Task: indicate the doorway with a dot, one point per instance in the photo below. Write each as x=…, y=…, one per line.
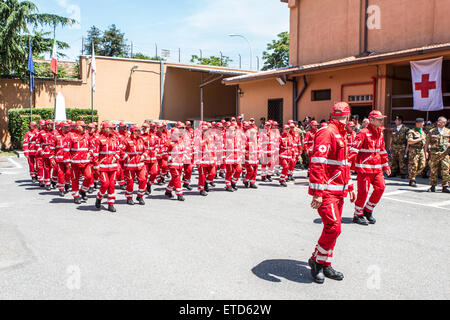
x=362, y=111
x=275, y=111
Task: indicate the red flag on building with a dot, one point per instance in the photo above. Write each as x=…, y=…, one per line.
x=54, y=63
x=427, y=84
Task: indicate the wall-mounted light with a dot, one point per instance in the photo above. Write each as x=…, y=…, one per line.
x=281, y=81
x=241, y=93
x=135, y=67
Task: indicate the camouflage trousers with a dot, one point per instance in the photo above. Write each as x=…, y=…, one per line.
x=439, y=160
x=416, y=162
x=398, y=160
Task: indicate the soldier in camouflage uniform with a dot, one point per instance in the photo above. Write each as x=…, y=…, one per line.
x=416, y=142
x=427, y=128
x=437, y=142
x=301, y=132
x=399, y=142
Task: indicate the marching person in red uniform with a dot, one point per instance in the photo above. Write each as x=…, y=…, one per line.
x=265, y=139
x=176, y=152
x=93, y=136
x=234, y=157
x=79, y=154
x=39, y=157
x=61, y=147
x=351, y=134
x=162, y=155
x=297, y=149
x=151, y=162
x=133, y=156
x=29, y=149
x=329, y=186
x=188, y=167
x=46, y=149
x=309, y=140
x=370, y=158
x=251, y=156
x=122, y=134
x=286, y=155
x=108, y=157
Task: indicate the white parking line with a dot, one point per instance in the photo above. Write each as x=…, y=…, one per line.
x=18, y=165
x=437, y=205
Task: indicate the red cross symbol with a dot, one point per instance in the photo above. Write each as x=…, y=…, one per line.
x=425, y=86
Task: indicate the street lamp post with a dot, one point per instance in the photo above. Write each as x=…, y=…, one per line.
x=251, y=52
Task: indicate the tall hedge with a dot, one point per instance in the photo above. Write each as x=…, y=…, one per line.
x=19, y=120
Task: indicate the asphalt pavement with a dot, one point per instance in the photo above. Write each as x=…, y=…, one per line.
x=251, y=244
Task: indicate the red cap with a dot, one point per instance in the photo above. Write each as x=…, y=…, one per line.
x=145, y=125
x=275, y=123
x=341, y=109
x=376, y=115
x=286, y=127
x=220, y=125
x=134, y=128
x=33, y=123
x=80, y=123
x=122, y=124
x=42, y=122
x=188, y=123
x=64, y=124
x=107, y=124
x=314, y=123
x=351, y=124
x=233, y=119
x=48, y=122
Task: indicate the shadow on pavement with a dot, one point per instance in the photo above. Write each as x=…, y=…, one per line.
x=272, y=270
x=344, y=221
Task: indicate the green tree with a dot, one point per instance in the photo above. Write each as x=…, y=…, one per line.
x=95, y=35
x=114, y=43
x=277, y=54
x=142, y=56
x=212, y=61
x=20, y=22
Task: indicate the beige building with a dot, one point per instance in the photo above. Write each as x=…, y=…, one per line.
x=357, y=51
x=131, y=90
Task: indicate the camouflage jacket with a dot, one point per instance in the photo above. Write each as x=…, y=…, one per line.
x=400, y=137
x=415, y=134
x=438, y=142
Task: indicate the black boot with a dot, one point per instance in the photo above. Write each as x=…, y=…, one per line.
x=412, y=183
x=91, y=190
x=247, y=185
x=130, y=202
x=283, y=184
x=233, y=185
x=48, y=188
x=445, y=190
x=329, y=272
x=229, y=189
x=123, y=187
x=98, y=203
x=187, y=187
x=316, y=271
x=433, y=189
x=41, y=184
x=369, y=217
x=111, y=208
x=96, y=187
x=206, y=187
x=212, y=184
x=264, y=179
x=53, y=185
x=269, y=178
x=253, y=186
x=34, y=180
x=149, y=189
x=169, y=195
x=67, y=188
x=203, y=193
x=221, y=175
x=360, y=220
x=181, y=198
x=77, y=201
x=83, y=195
x=140, y=201
x=61, y=194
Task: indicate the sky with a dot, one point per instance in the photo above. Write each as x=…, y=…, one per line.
x=188, y=25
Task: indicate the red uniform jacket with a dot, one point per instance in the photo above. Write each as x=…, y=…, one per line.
x=329, y=167
x=78, y=150
x=133, y=153
x=45, y=144
x=108, y=153
x=29, y=142
x=368, y=153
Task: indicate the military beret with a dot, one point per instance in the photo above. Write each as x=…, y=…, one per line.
x=420, y=120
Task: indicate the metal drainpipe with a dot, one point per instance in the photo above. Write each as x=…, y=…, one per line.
x=161, y=91
x=366, y=29
x=296, y=98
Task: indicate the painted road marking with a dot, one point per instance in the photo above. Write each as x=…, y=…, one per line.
x=432, y=205
x=15, y=163
x=394, y=193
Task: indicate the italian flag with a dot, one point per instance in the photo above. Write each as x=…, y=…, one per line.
x=54, y=63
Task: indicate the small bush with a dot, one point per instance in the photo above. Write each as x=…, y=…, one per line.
x=19, y=120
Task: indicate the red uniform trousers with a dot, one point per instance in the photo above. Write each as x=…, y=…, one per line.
x=206, y=174
x=163, y=168
x=286, y=165
x=331, y=214
x=40, y=169
x=252, y=172
x=365, y=180
x=64, y=175
x=77, y=172
x=187, y=173
x=47, y=169
x=233, y=174
x=108, y=186
x=152, y=171
x=55, y=170
x=32, y=166
x=121, y=174
x=175, y=181
x=141, y=175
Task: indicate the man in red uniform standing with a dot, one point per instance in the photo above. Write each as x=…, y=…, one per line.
x=309, y=140
x=329, y=186
x=370, y=158
x=29, y=149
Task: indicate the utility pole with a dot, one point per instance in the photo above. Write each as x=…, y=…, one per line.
x=240, y=62
x=156, y=53
x=82, y=45
x=201, y=54
x=179, y=55
x=221, y=58
x=131, y=49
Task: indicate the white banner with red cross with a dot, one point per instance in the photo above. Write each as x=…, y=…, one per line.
x=426, y=81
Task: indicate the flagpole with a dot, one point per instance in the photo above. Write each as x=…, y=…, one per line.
x=31, y=88
x=54, y=38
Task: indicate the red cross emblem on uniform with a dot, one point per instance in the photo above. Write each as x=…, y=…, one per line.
x=425, y=86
